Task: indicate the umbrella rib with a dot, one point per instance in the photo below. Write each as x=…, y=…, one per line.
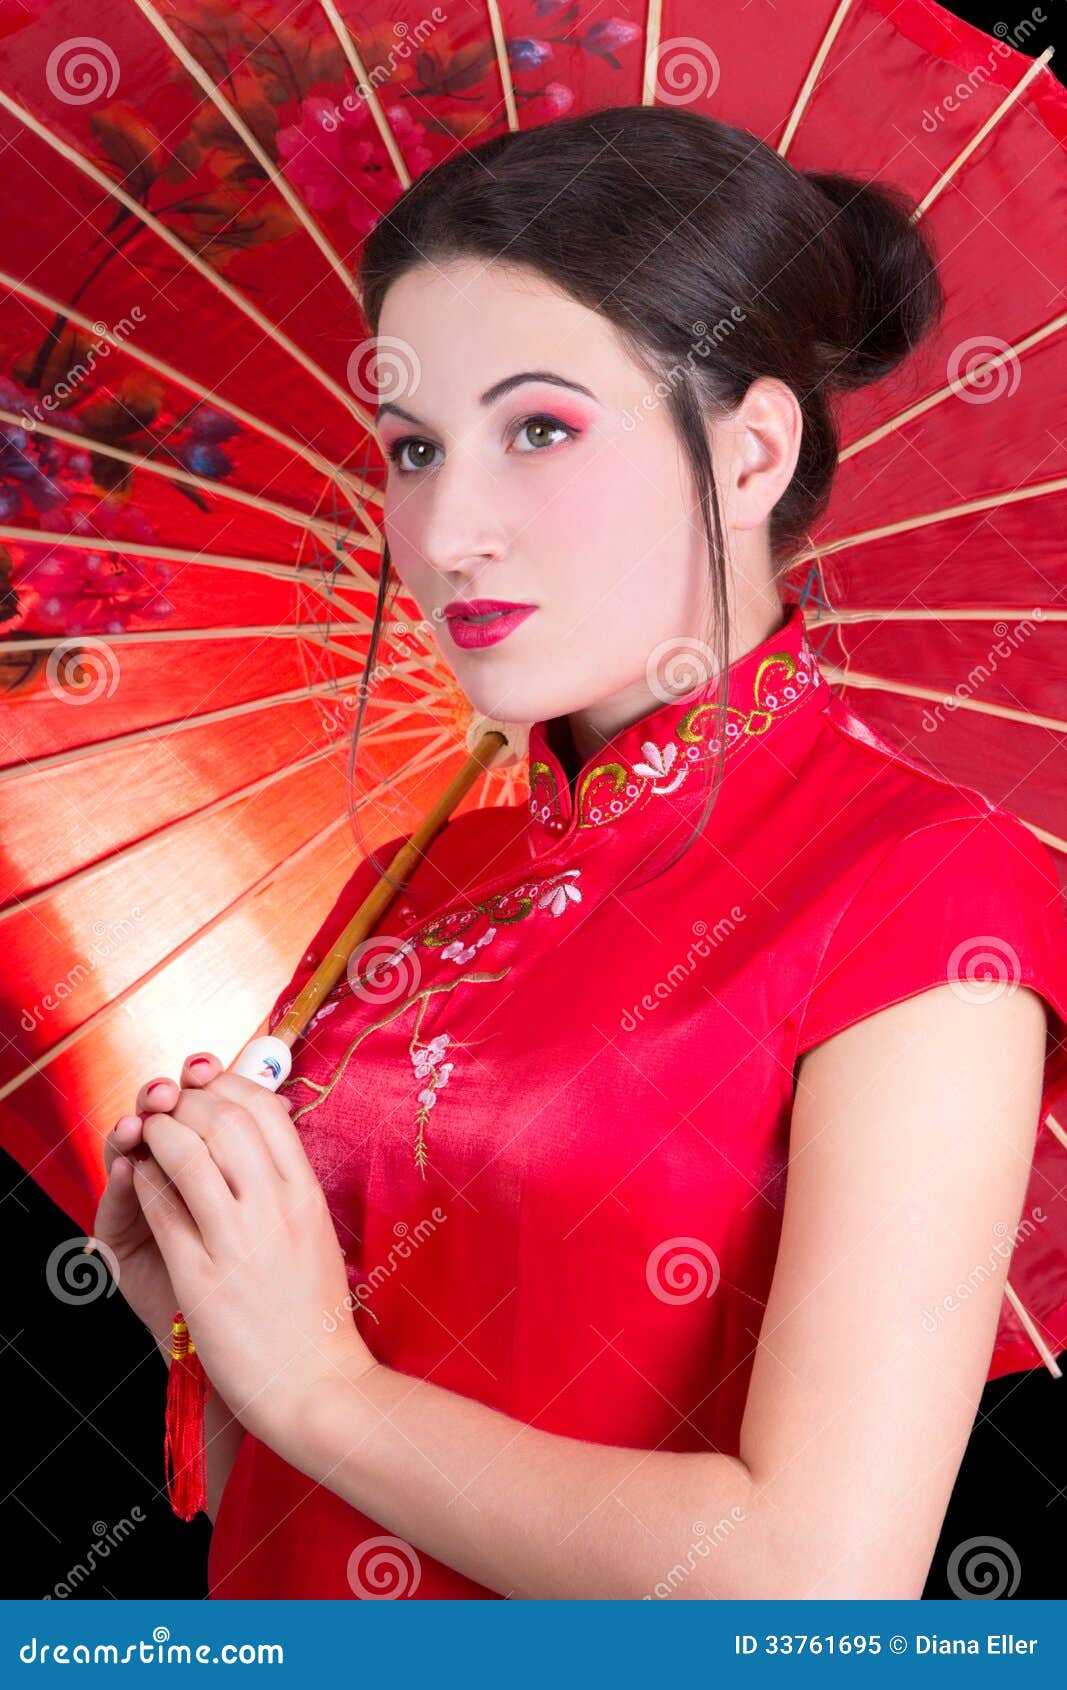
x=1016, y=350
x=909, y=689
x=310, y=847
x=1030, y=1326
x=272, y=330
x=1035, y=490
x=905, y=689
x=237, y=123
x=976, y=140
x=814, y=72
x=947, y=613
x=155, y=636
x=360, y=621
x=354, y=487
x=500, y=47
x=184, y=477
x=124, y=853
x=653, y=28
x=367, y=89
x=938, y=188
x=163, y=730
x=1055, y=1128
x=180, y=554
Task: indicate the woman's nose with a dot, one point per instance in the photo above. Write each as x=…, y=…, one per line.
x=463, y=525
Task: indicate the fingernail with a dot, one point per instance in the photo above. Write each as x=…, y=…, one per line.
x=155, y=1086
x=200, y=1062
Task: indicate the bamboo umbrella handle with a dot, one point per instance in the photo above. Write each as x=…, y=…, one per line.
x=268, y=1059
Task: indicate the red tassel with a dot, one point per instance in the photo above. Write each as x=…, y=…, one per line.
x=188, y=1388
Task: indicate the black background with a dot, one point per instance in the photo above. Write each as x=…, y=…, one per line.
x=84, y=1387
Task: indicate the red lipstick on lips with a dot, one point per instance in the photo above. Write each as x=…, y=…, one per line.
x=481, y=622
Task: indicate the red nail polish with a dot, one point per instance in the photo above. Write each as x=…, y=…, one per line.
x=200, y=1062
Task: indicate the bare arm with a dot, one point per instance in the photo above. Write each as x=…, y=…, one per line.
x=911, y=1145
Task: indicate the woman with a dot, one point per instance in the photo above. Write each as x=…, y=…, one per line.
x=627, y=1176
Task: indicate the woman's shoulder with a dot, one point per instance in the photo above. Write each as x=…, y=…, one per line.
x=881, y=798
x=935, y=885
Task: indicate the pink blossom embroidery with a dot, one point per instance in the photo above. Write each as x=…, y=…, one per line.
x=460, y=953
x=426, y=1061
x=658, y=765
x=560, y=896
x=326, y=1009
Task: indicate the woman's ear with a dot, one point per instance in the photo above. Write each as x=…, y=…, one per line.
x=756, y=452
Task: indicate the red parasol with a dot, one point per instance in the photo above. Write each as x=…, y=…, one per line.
x=191, y=486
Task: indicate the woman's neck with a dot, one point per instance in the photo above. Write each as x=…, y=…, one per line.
x=577, y=737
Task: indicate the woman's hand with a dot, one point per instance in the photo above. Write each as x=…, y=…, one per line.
x=143, y=1278
x=244, y=1231
x=140, y=1271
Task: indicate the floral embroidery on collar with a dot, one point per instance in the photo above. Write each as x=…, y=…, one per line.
x=767, y=684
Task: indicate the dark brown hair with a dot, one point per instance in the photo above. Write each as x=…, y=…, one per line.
x=686, y=232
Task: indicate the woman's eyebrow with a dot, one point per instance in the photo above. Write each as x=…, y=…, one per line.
x=492, y=394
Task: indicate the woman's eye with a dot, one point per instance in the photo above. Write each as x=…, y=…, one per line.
x=399, y=447
x=538, y=432
x=535, y=429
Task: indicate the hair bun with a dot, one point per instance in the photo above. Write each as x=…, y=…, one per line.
x=895, y=294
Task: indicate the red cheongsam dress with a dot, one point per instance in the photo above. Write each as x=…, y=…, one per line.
x=550, y=1107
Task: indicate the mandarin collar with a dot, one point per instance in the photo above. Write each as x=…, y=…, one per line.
x=664, y=757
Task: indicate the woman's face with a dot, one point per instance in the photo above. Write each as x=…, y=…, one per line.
x=569, y=494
